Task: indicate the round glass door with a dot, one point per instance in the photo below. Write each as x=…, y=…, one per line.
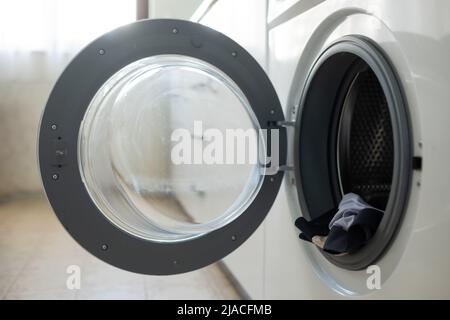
x=154, y=146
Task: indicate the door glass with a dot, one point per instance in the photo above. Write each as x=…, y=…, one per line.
x=158, y=149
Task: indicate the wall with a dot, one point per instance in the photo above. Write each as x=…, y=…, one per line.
x=174, y=9
x=30, y=62
x=21, y=104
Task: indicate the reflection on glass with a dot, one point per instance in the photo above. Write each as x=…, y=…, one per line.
x=125, y=149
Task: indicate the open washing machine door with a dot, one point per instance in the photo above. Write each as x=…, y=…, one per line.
x=116, y=138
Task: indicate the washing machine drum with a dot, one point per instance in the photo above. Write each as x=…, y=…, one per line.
x=124, y=140
x=353, y=94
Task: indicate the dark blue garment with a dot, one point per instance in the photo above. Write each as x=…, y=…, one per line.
x=346, y=230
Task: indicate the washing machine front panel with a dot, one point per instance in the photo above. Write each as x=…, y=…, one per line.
x=123, y=146
x=414, y=264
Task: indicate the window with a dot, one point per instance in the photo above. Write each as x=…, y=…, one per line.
x=38, y=38
x=59, y=26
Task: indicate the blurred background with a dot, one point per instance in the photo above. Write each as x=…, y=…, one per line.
x=38, y=38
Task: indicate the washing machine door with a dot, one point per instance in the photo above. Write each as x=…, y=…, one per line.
x=153, y=146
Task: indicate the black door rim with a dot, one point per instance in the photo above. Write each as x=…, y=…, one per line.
x=59, y=130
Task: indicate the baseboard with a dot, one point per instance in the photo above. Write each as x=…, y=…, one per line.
x=20, y=196
x=234, y=281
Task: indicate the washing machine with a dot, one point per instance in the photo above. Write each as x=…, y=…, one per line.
x=356, y=94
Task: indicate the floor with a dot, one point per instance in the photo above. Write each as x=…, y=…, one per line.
x=35, y=253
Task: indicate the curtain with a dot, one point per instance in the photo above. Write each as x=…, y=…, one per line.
x=38, y=38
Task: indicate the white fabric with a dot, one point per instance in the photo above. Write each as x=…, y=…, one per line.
x=349, y=207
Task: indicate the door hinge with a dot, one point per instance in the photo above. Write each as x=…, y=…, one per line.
x=286, y=168
x=285, y=123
